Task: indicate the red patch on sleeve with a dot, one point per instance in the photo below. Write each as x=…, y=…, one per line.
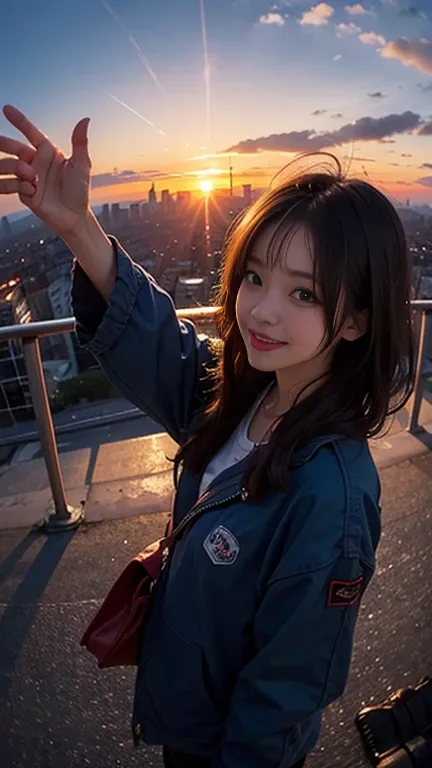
x=345, y=592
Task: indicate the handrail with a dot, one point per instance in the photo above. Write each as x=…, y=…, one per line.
x=64, y=517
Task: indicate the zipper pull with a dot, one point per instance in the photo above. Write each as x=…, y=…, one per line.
x=244, y=494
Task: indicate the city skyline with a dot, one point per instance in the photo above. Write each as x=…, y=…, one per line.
x=173, y=91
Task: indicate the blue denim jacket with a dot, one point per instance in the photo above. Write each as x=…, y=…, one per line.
x=251, y=630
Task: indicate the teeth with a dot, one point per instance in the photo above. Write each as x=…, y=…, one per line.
x=266, y=341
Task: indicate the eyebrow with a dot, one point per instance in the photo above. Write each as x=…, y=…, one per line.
x=291, y=272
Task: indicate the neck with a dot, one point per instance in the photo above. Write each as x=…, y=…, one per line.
x=294, y=384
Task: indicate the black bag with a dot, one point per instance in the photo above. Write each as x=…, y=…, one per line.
x=398, y=731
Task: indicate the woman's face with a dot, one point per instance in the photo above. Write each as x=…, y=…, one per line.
x=282, y=305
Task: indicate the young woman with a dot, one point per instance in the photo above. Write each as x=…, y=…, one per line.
x=251, y=630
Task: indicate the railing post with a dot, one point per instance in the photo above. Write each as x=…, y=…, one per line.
x=64, y=517
x=413, y=425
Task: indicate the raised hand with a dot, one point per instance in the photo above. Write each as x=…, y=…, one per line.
x=54, y=187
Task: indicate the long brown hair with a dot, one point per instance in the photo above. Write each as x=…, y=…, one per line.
x=358, y=247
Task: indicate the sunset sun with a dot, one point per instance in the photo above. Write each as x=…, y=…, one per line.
x=205, y=186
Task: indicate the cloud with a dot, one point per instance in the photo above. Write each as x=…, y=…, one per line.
x=425, y=87
x=377, y=95
x=413, y=53
x=338, y=115
x=347, y=29
x=426, y=165
x=125, y=177
x=318, y=15
x=425, y=181
x=337, y=57
x=425, y=129
x=371, y=38
x=272, y=18
x=414, y=13
x=319, y=112
x=356, y=10
x=364, y=129
x=404, y=154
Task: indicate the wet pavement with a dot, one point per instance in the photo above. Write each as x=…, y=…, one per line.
x=57, y=710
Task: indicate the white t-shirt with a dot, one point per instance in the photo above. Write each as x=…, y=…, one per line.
x=235, y=449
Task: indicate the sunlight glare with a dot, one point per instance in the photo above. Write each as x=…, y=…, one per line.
x=206, y=186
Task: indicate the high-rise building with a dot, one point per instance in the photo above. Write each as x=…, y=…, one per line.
x=247, y=194
x=167, y=204
x=135, y=214
x=5, y=229
x=115, y=214
x=105, y=217
x=152, y=199
x=184, y=200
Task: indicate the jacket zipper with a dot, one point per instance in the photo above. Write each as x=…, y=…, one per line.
x=196, y=512
x=242, y=492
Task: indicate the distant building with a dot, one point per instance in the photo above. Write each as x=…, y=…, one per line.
x=5, y=229
x=115, y=215
x=183, y=201
x=167, y=204
x=15, y=397
x=247, y=194
x=152, y=199
x=135, y=214
x=191, y=291
x=105, y=217
x=124, y=219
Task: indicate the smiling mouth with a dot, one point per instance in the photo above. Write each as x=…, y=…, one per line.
x=264, y=343
x=265, y=339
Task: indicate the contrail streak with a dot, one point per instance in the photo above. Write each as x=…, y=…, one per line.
x=134, y=112
x=206, y=68
x=144, y=60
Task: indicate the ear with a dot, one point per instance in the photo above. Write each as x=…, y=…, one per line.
x=355, y=326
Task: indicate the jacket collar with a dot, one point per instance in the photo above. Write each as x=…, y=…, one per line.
x=232, y=478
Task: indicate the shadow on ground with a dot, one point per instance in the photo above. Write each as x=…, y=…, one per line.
x=57, y=710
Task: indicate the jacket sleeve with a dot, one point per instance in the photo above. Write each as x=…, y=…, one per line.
x=156, y=361
x=303, y=653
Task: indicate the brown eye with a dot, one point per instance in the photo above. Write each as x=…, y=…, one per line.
x=252, y=277
x=303, y=295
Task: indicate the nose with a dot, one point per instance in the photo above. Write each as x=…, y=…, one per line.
x=266, y=311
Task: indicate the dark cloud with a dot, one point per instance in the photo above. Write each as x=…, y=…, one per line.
x=425, y=129
x=426, y=165
x=414, y=13
x=425, y=87
x=338, y=115
x=404, y=154
x=377, y=95
x=425, y=181
x=319, y=112
x=124, y=177
x=364, y=129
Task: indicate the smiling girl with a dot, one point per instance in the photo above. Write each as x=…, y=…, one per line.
x=252, y=623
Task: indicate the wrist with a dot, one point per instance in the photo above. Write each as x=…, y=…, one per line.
x=84, y=232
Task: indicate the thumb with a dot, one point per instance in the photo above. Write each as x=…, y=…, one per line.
x=80, y=156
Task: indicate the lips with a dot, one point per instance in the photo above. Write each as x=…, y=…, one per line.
x=263, y=342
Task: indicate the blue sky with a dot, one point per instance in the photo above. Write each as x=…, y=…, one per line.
x=270, y=66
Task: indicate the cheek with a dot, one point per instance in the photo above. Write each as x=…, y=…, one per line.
x=309, y=326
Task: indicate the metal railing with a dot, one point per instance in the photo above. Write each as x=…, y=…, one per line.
x=64, y=517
